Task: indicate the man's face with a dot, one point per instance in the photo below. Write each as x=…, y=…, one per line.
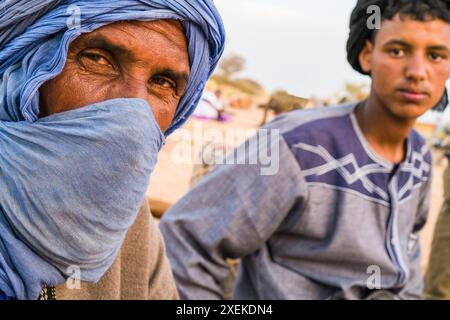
x=409, y=62
x=146, y=60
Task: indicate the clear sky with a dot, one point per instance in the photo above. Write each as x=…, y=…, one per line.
x=297, y=45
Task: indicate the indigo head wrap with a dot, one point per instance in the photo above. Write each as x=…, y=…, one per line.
x=71, y=183
x=360, y=32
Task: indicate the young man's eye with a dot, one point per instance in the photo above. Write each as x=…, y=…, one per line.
x=435, y=56
x=396, y=52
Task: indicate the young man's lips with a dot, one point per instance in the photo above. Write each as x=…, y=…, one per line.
x=412, y=95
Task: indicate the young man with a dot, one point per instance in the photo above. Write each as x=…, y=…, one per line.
x=437, y=279
x=339, y=220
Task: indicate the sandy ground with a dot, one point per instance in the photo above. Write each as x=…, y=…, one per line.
x=171, y=180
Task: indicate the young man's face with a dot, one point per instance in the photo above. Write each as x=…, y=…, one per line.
x=147, y=60
x=409, y=62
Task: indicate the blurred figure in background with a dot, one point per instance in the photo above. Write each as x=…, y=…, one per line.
x=437, y=280
x=282, y=102
x=210, y=106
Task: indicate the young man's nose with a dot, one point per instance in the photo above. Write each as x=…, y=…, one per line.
x=416, y=68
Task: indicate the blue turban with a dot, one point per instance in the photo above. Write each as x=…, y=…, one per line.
x=71, y=183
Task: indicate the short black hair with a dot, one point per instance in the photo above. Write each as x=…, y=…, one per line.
x=421, y=10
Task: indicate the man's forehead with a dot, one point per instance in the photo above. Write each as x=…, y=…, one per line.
x=170, y=29
x=432, y=32
x=162, y=25
x=137, y=40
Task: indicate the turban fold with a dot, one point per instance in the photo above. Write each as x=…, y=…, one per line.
x=72, y=183
x=360, y=33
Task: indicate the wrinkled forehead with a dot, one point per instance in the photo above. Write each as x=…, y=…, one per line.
x=172, y=30
x=161, y=41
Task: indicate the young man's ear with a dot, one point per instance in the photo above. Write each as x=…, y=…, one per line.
x=365, y=57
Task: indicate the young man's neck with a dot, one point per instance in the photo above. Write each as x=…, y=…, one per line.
x=386, y=133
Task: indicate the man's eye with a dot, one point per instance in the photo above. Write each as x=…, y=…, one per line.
x=97, y=58
x=396, y=52
x=435, y=56
x=164, y=82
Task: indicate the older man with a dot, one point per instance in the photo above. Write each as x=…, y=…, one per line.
x=88, y=92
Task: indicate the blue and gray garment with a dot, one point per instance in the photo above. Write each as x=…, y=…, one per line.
x=335, y=222
x=4, y=297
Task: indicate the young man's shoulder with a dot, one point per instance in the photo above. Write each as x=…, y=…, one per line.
x=420, y=146
x=315, y=125
x=295, y=119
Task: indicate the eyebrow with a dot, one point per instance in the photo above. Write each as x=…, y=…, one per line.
x=104, y=43
x=407, y=45
x=118, y=50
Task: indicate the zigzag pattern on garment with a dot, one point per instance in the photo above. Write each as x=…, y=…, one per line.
x=416, y=169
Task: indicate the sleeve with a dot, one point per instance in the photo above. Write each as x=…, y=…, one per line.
x=161, y=284
x=230, y=214
x=414, y=288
